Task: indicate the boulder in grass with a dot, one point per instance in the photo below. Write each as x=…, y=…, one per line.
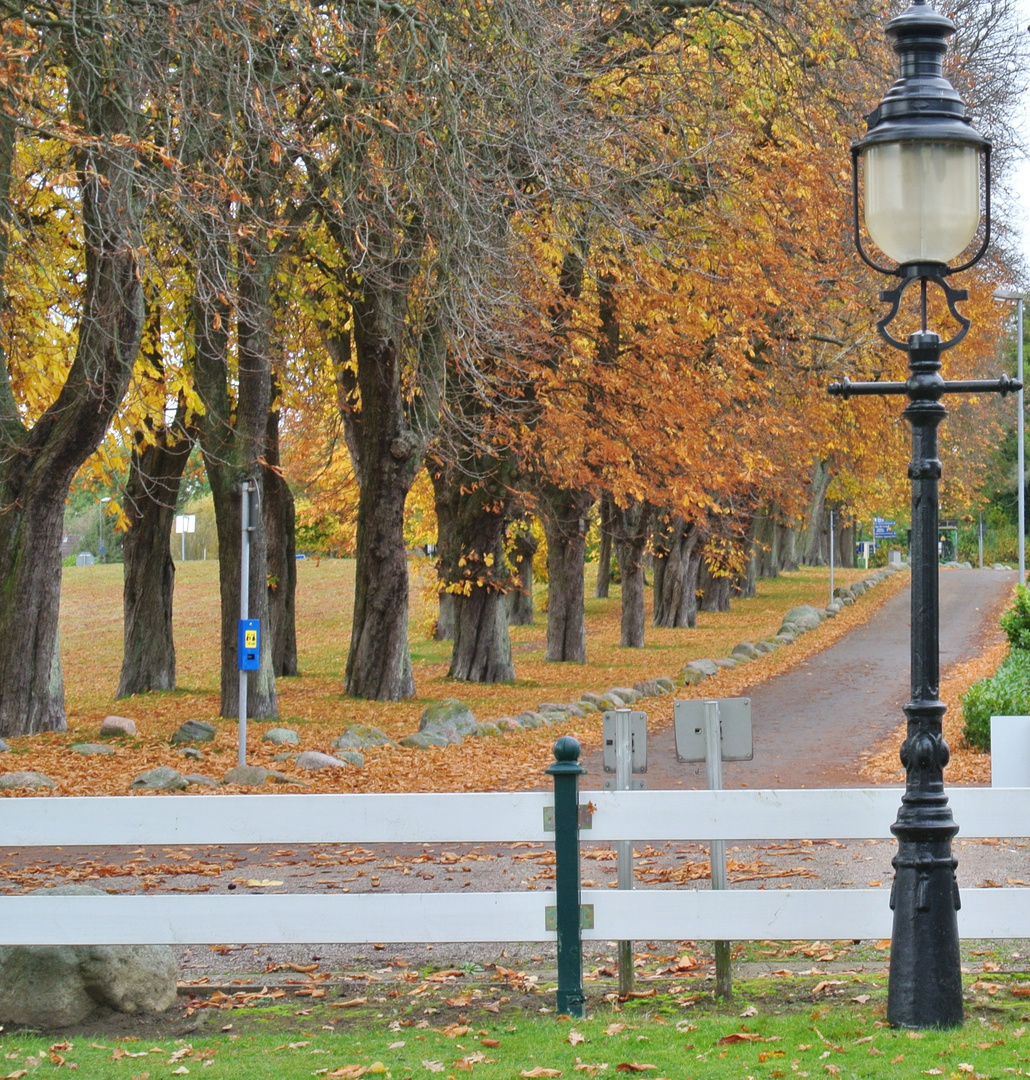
x=3, y=747
x=361, y=737
x=726, y=662
x=423, y=740
x=745, y=650
x=196, y=779
x=246, y=775
x=313, y=760
x=449, y=714
x=55, y=986
x=194, y=731
x=530, y=719
x=804, y=617
x=627, y=693
x=704, y=667
x=118, y=725
x=649, y=688
x=280, y=736
x=161, y=778
x=32, y=780
x=691, y=676
x=90, y=749
x=591, y=697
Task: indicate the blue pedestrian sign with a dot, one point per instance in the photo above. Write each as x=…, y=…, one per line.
x=883, y=529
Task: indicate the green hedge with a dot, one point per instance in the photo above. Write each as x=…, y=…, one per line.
x=1006, y=693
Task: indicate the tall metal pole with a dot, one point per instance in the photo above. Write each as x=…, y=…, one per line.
x=925, y=987
x=1020, y=442
x=1014, y=294
x=831, y=557
x=245, y=489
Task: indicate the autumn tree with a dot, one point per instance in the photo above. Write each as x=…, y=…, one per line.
x=75, y=80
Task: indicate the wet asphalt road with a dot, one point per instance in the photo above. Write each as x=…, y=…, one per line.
x=811, y=723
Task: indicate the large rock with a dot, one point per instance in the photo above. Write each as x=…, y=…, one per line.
x=118, y=725
x=161, y=778
x=315, y=759
x=746, y=650
x=246, y=775
x=54, y=986
x=704, y=667
x=34, y=780
x=423, y=740
x=195, y=731
x=804, y=617
x=3, y=747
x=91, y=749
x=449, y=717
x=280, y=736
x=361, y=737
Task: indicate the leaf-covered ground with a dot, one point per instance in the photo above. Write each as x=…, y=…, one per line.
x=314, y=703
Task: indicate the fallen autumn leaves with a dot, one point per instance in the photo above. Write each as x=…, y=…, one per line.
x=314, y=706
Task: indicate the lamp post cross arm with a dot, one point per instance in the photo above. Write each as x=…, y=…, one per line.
x=1004, y=385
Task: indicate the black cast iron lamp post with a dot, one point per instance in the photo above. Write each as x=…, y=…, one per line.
x=922, y=161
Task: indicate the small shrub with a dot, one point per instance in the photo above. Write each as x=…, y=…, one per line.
x=1016, y=621
x=1006, y=693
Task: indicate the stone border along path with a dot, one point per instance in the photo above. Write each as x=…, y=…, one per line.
x=444, y=723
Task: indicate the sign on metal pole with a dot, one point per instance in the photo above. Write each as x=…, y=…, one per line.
x=185, y=523
x=884, y=529
x=248, y=647
x=715, y=731
x=625, y=753
x=734, y=719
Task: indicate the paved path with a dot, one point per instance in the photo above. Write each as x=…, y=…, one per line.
x=812, y=722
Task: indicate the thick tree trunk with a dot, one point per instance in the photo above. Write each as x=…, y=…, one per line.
x=564, y=513
x=280, y=521
x=715, y=590
x=37, y=465
x=677, y=560
x=631, y=527
x=148, y=653
x=379, y=661
x=814, y=543
x=31, y=687
x=606, y=524
x=520, y=599
x=482, y=646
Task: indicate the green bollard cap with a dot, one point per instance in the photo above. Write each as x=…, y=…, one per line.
x=566, y=757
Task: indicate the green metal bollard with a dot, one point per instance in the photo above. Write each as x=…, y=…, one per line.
x=566, y=771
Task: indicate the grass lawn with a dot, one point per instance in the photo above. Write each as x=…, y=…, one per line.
x=493, y=1024
x=314, y=703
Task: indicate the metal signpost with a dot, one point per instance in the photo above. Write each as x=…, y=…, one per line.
x=625, y=754
x=248, y=649
x=185, y=523
x=715, y=731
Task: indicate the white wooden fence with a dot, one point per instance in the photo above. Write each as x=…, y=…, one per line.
x=662, y=914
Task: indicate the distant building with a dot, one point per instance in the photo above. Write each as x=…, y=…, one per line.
x=70, y=544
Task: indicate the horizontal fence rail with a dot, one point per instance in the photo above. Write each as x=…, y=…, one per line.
x=666, y=914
